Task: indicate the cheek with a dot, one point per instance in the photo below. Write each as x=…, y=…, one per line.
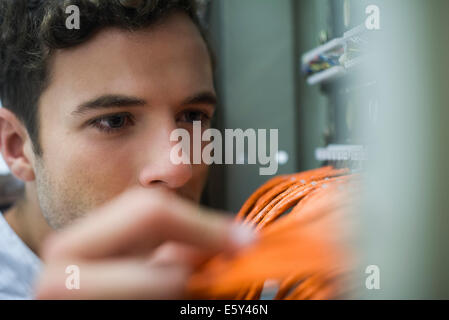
x=200, y=173
x=93, y=171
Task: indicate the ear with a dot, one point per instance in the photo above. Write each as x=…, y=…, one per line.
x=15, y=146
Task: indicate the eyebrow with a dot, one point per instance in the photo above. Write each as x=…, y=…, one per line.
x=202, y=98
x=108, y=101
x=112, y=100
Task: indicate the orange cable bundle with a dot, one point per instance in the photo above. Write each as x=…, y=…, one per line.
x=302, y=224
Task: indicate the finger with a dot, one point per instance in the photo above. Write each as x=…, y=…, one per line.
x=175, y=253
x=140, y=221
x=118, y=279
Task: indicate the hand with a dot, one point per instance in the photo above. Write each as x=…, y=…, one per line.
x=142, y=245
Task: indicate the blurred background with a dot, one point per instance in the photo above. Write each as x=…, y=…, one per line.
x=371, y=100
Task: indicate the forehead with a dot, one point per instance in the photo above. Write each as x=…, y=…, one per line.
x=169, y=57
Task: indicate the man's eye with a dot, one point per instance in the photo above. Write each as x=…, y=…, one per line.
x=113, y=123
x=191, y=116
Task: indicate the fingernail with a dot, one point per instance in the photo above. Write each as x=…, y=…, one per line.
x=243, y=235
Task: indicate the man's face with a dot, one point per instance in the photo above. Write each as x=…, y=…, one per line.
x=109, y=109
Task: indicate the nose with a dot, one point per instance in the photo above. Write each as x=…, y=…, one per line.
x=158, y=169
x=165, y=174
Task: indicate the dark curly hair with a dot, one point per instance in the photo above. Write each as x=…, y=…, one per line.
x=30, y=30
